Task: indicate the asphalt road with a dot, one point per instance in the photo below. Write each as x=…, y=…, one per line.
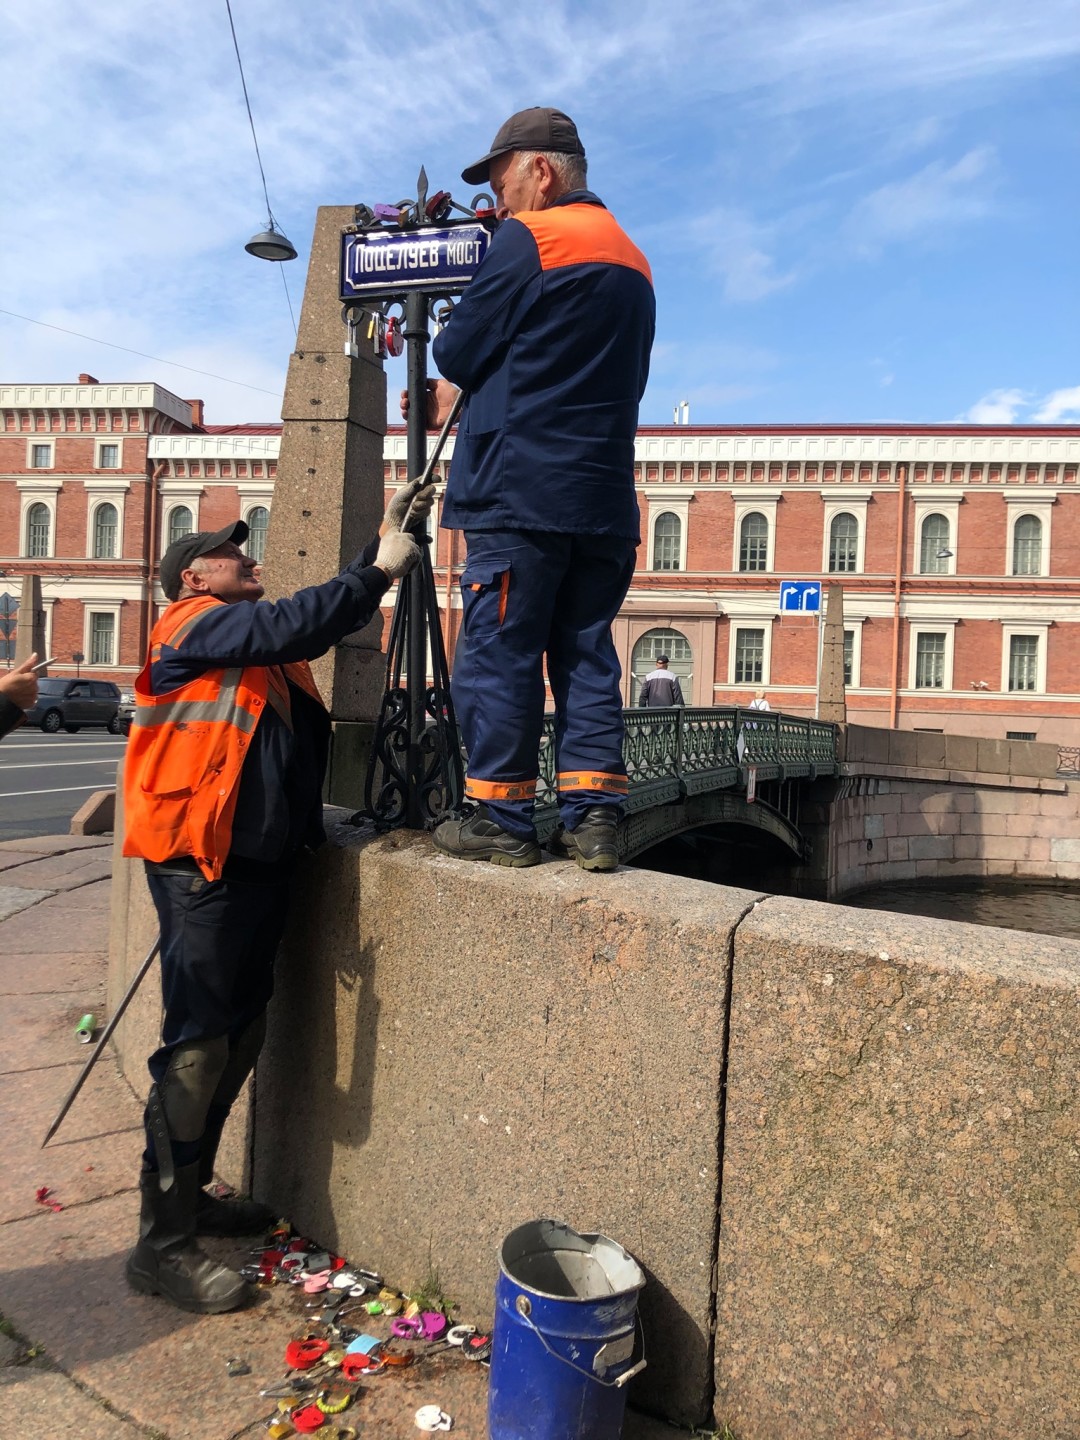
x=44, y=779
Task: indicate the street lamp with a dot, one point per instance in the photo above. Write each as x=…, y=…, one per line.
x=271, y=244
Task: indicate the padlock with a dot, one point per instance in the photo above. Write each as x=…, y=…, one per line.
x=376, y=336
x=395, y=341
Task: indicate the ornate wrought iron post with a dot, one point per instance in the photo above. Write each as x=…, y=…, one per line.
x=392, y=256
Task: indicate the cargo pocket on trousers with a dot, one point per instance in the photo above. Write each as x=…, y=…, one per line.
x=485, y=592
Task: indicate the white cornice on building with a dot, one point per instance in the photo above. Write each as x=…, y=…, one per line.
x=214, y=447
x=96, y=397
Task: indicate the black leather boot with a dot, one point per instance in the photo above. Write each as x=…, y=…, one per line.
x=167, y=1260
x=213, y=1215
x=595, y=842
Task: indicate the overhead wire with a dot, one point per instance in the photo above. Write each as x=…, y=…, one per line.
x=258, y=154
x=158, y=359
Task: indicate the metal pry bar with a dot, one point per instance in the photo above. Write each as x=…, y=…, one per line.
x=433, y=458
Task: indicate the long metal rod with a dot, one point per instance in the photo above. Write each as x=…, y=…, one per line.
x=106, y=1035
x=433, y=458
x=417, y=339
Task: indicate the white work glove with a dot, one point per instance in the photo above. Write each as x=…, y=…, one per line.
x=398, y=554
x=409, y=494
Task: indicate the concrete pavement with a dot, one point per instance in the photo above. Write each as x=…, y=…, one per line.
x=81, y=1354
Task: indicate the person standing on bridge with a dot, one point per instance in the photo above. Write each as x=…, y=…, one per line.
x=222, y=791
x=551, y=340
x=660, y=687
x=18, y=693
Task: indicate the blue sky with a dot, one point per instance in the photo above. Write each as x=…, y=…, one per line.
x=854, y=211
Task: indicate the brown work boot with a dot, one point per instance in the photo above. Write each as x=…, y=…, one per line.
x=167, y=1261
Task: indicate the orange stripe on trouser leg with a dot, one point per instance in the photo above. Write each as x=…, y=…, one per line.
x=504, y=591
x=500, y=790
x=593, y=780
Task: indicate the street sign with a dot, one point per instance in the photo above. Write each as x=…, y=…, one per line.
x=381, y=263
x=800, y=597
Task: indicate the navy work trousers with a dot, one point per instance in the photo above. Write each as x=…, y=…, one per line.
x=218, y=942
x=527, y=594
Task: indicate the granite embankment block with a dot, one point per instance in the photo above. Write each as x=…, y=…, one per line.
x=899, y=1250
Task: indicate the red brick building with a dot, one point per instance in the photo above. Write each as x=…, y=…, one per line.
x=957, y=548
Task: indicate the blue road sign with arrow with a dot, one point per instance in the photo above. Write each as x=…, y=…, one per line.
x=800, y=597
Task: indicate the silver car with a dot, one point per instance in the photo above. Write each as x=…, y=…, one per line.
x=71, y=704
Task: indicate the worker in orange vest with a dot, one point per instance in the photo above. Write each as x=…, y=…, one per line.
x=222, y=791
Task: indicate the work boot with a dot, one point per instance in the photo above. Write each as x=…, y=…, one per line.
x=167, y=1261
x=215, y=1215
x=594, y=844
x=479, y=838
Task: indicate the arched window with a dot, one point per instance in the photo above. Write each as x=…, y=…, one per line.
x=105, y=523
x=180, y=523
x=933, y=541
x=754, y=542
x=671, y=643
x=667, y=542
x=1027, y=546
x=37, y=531
x=258, y=521
x=843, y=544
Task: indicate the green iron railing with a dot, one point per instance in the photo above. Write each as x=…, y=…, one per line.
x=687, y=750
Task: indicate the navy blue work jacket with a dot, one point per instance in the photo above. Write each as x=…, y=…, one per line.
x=552, y=341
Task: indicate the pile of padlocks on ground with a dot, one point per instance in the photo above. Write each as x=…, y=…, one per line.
x=333, y=1353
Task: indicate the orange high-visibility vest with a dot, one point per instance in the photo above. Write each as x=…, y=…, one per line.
x=186, y=748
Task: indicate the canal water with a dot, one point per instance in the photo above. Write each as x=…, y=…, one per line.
x=1050, y=909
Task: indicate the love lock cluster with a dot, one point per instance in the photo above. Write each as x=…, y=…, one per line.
x=334, y=1352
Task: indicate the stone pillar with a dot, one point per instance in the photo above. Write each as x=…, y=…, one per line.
x=328, y=497
x=831, y=702
x=30, y=628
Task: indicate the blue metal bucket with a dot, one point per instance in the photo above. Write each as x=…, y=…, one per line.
x=563, y=1341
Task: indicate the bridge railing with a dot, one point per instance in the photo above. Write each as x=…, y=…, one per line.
x=687, y=750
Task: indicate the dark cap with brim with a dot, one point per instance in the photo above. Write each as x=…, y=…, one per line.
x=536, y=129
x=180, y=554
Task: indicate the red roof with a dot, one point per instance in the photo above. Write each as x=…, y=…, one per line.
x=269, y=427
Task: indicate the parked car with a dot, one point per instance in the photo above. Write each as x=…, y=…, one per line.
x=126, y=713
x=71, y=704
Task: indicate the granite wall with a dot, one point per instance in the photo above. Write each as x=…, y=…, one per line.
x=874, y=1235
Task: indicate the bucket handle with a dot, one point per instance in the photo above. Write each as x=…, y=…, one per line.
x=524, y=1309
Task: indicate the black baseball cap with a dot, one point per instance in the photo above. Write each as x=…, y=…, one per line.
x=662, y=659
x=536, y=129
x=182, y=552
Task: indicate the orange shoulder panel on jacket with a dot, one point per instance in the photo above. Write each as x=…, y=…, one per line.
x=582, y=235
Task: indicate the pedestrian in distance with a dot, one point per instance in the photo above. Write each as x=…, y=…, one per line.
x=222, y=792
x=18, y=693
x=759, y=702
x=660, y=687
x=551, y=342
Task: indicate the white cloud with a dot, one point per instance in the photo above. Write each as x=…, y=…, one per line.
x=997, y=407
x=926, y=206
x=1059, y=405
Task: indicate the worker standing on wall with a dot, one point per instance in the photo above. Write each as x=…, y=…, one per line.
x=552, y=341
x=222, y=791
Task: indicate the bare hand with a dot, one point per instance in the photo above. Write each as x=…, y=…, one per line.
x=20, y=685
x=440, y=401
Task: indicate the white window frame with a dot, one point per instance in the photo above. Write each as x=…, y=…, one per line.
x=663, y=502
x=1017, y=507
x=37, y=496
x=751, y=622
x=98, y=446
x=855, y=626
x=100, y=607
x=931, y=627
x=259, y=504
x=174, y=493
x=1040, y=631
x=31, y=444
x=950, y=509
x=845, y=505
x=95, y=505
x=760, y=505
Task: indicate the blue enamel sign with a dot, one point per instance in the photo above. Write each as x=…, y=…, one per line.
x=386, y=262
